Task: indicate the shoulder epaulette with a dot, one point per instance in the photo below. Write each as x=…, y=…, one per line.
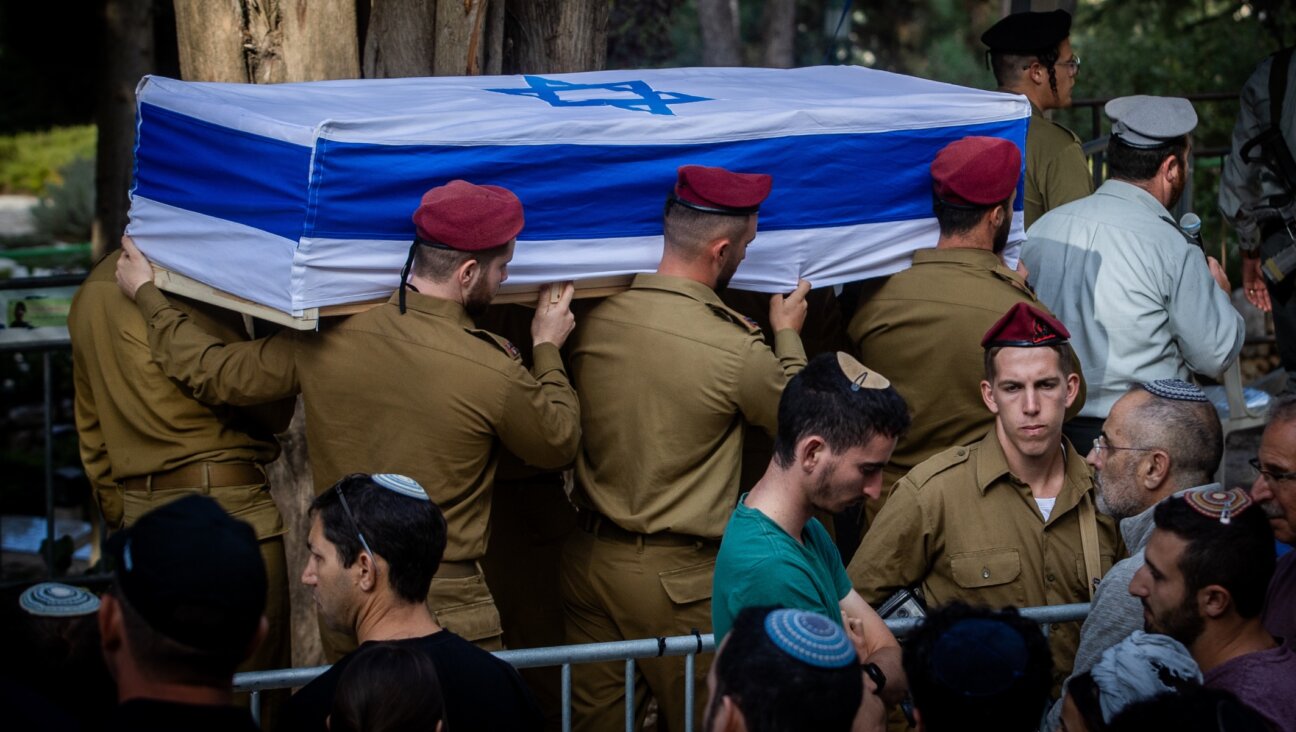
x=937, y=464
x=733, y=316
x=499, y=342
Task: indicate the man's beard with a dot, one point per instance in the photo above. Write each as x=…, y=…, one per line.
x=1113, y=504
x=1177, y=191
x=1184, y=623
x=1001, y=235
x=478, y=299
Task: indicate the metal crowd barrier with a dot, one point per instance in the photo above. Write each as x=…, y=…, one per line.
x=688, y=646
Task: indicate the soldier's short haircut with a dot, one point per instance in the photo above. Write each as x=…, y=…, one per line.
x=1126, y=162
x=687, y=231
x=407, y=532
x=822, y=401
x=1238, y=556
x=1009, y=67
x=955, y=220
x=439, y=265
x=776, y=692
x=1190, y=432
x=1065, y=360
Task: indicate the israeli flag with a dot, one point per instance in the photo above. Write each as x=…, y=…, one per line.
x=299, y=196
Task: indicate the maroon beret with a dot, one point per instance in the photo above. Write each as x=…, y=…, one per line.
x=976, y=171
x=468, y=217
x=1024, y=326
x=716, y=190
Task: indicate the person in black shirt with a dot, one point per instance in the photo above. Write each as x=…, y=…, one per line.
x=375, y=542
x=186, y=608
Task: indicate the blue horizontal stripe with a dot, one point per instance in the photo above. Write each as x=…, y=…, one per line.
x=186, y=162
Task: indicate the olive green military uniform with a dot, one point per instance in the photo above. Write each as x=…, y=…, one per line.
x=922, y=329
x=962, y=527
x=667, y=375
x=1056, y=169
x=425, y=394
x=146, y=441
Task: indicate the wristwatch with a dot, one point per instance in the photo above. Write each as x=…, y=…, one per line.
x=875, y=673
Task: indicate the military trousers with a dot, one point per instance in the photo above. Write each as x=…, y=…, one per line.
x=250, y=503
x=618, y=589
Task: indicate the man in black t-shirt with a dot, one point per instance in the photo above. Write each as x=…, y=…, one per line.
x=375, y=542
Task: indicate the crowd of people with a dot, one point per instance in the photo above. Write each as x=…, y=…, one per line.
x=965, y=438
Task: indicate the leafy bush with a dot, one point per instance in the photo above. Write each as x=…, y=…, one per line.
x=31, y=161
x=66, y=211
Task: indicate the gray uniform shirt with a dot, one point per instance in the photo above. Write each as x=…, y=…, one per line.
x=1138, y=299
x=1243, y=185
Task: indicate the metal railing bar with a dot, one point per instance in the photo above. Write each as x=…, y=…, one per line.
x=629, y=694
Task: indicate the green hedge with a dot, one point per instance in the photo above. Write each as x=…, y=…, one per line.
x=31, y=160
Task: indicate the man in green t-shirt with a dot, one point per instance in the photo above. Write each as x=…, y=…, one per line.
x=837, y=425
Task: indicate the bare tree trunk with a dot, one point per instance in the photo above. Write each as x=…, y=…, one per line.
x=319, y=39
x=267, y=41
x=779, y=23
x=553, y=36
x=495, y=37
x=460, y=37
x=290, y=479
x=210, y=36
x=400, y=39
x=718, y=21
x=128, y=55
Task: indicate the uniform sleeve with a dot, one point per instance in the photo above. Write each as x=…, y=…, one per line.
x=241, y=374
x=894, y=553
x=1240, y=187
x=763, y=375
x=93, y=447
x=1066, y=177
x=1208, y=329
x=541, y=418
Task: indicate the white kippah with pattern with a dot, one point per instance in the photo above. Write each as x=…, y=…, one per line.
x=401, y=484
x=55, y=600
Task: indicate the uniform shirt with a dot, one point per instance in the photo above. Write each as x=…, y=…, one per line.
x=1056, y=169
x=667, y=374
x=963, y=527
x=1138, y=299
x=922, y=330
x=1244, y=185
x=761, y=564
x=425, y=394
x=131, y=419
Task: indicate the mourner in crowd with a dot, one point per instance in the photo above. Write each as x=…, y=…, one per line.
x=410, y=386
x=1009, y=520
x=1142, y=301
x=1207, y=566
x=1141, y=666
x=667, y=375
x=1275, y=490
x=375, y=544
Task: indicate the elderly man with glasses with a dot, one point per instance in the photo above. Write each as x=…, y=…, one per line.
x=1275, y=490
x=1160, y=438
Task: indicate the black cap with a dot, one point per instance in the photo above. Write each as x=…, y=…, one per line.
x=193, y=573
x=1028, y=32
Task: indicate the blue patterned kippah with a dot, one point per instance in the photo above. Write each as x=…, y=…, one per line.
x=1176, y=389
x=401, y=484
x=979, y=657
x=54, y=600
x=810, y=638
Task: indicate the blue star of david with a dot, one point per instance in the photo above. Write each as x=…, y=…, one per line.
x=649, y=100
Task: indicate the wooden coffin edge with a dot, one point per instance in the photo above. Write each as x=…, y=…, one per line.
x=179, y=284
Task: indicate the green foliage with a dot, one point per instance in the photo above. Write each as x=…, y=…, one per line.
x=66, y=211
x=30, y=161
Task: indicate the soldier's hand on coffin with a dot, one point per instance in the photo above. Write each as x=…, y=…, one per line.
x=133, y=268
x=789, y=311
x=553, y=321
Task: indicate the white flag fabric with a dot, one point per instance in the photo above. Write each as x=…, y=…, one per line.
x=299, y=196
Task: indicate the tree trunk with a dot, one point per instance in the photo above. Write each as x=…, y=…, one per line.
x=400, y=39
x=779, y=24
x=128, y=55
x=553, y=36
x=460, y=37
x=267, y=41
x=293, y=491
x=718, y=21
x=210, y=36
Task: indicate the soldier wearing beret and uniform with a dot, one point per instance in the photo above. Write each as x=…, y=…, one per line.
x=667, y=375
x=921, y=325
x=410, y=386
x=1143, y=301
x=147, y=441
x=1030, y=54
x=1008, y=520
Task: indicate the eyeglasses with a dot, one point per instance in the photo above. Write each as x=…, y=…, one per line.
x=1101, y=445
x=1270, y=475
x=1072, y=65
x=356, y=525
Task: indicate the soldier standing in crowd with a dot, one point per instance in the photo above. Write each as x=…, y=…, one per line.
x=146, y=440
x=1030, y=54
x=1009, y=520
x=1258, y=196
x=667, y=374
x=1142, y=301
x=411, y=385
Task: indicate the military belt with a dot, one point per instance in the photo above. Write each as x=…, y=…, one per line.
x=605, y=528
x=457, y=570
x=199, y=475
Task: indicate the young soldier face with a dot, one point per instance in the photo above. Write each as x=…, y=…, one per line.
x=1029, y=398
